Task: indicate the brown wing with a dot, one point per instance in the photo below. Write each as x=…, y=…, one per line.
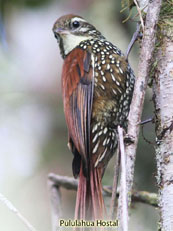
x=112, y=97
x=77, y=87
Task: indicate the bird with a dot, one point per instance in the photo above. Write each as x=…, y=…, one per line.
x=97, y=88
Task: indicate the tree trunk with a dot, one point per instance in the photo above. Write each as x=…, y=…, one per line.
x=163, y=101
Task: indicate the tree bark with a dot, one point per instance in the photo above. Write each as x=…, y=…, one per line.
x=163, y=101
x=146, y=52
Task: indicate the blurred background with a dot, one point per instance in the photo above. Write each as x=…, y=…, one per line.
x=33, y=134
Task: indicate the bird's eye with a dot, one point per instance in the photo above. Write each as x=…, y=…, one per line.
x=75, y=24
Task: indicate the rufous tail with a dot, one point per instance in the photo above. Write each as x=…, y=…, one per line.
x=89, y=201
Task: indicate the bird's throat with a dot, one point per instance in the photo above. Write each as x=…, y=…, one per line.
x=68, y=43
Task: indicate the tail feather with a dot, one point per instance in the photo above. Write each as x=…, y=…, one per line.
x=81, y=197
x=89, y=201
x=98, y=177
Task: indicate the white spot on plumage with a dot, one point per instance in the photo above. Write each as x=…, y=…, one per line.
x=121, y=71
x=117, y=83
x=108, y=141
x=100, y=158
x=100, y=133
x=104, y=79
x=119, y=90
x=113, y=77
x=92, y=31
x=105, y=130
x=94, y=128
x=102, y=87
x=108, y=66
x=96, y=147
x=103, y=155
x=101, y=72
x=104, y=142
x=95, y=138
x=114, y=91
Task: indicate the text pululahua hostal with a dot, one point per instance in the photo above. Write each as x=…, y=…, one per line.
x=86, y=223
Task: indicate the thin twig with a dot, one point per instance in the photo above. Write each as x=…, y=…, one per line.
x=64, y=181
x=145, y=197
x=123, y=199
x=55, y=199
x=147, y=121
x=133, y=40
x=140, y=14
x=70, y=183
x=143, y=9
x=11, y=207
x=148, y=42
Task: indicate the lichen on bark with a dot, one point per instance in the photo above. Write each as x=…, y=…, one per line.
x=163, y=100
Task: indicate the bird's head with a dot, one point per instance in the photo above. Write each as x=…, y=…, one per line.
x=70, y=30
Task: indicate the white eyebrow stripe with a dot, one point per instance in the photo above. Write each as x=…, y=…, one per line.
x=78, y=19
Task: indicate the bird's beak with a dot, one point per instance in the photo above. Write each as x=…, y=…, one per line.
x=57, y=36
x=58, y=32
